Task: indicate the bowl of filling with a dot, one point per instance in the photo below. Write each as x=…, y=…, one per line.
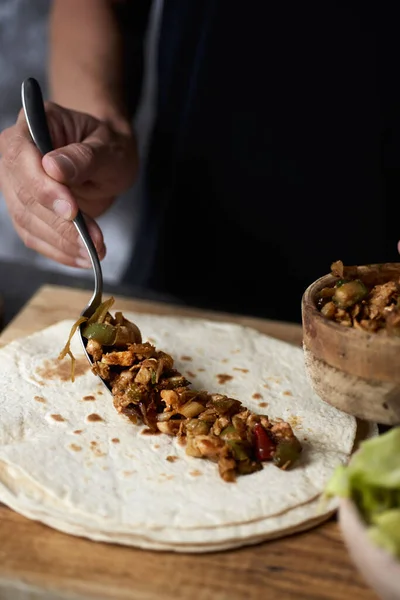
x=369, y=512
x=351, y=340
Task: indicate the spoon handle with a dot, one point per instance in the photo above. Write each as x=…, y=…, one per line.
x=35, y=114
x=32, y=102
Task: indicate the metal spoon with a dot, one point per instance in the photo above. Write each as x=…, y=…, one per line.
x=32, y=102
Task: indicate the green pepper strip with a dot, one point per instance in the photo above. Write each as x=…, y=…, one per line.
x=229, y=433
x=238, y=450
x=104, y=333
x=287, y=452
x=101, y=312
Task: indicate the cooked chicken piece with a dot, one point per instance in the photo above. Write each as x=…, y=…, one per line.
x=282, y=431
x=145, y=374
x=220, y=424
x=122, y=381
x=123, y=359
x=329, y=310
x=142, y=351
x=239, y=423
x=171, y=399
x=208, y=415
x=343, y=317
x=209, y=446
x=134, y=394
x=95, y=349
x=102, y=370
x=242, y=415
x=339, y=270
x=380, y=297
x=226, y=468
x=252, y=420
x=120, y=402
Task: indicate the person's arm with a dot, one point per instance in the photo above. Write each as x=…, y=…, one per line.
x=95, y=157
x=86, y=64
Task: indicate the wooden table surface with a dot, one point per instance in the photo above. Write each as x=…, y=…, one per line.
x=37, y=562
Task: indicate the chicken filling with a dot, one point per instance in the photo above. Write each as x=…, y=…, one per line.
x=352, y=302
x=148, y=389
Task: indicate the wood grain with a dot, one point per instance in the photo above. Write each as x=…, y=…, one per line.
x=38, y=562
x=55, y=303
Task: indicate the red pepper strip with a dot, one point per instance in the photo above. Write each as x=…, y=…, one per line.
x=264, y=446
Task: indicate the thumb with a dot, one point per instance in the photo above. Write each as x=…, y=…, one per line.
x=74, y=164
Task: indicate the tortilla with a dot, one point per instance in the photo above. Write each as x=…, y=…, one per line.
x=69, y=460
x=229, y=537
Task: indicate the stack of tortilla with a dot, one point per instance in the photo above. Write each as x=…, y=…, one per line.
x=69, y=460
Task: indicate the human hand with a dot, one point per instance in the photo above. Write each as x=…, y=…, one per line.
x=94, y=162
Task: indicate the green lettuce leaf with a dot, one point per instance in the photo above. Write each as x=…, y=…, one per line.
x=378, y=460
x=372, y=481
x=386, y=531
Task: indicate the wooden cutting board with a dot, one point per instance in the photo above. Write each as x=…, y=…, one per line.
x=38, y=562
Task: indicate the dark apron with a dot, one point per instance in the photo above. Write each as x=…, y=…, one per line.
x=275, y=151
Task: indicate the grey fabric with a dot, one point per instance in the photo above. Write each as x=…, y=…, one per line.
x=23, y=53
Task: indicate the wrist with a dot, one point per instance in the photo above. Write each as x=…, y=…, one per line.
x=115, y=114
x=117, y=119
x=120, y=124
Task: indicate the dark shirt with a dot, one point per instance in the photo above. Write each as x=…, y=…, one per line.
x=275, y=151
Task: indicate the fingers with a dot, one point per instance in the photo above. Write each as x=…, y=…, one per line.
x=49, y=251
x=42, y=194
x=40, y=207
x=104, y=161
x=41, y=230
x=23, y=174
x=61, y=243
x=53, y=253
x=74, y=164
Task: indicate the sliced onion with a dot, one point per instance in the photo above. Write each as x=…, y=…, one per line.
x=191, y=409
x=165, y=416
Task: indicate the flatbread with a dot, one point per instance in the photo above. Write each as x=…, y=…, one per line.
x=99, y=476
x=293, y=521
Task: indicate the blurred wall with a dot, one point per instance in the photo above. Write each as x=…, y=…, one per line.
x=23, y=53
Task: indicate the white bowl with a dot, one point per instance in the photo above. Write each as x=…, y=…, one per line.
x=379, y=569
